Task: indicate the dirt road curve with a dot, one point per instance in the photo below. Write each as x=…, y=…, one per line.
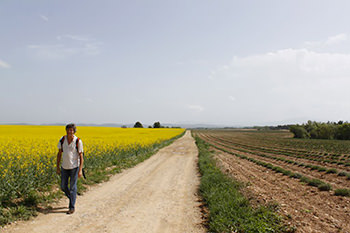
x=157, y=195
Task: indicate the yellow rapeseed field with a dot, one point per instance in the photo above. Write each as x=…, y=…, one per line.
x=28, y=153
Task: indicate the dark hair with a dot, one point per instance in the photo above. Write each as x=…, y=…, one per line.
x=71, y=125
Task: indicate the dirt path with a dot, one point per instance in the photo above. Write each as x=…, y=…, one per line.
x=158, y=195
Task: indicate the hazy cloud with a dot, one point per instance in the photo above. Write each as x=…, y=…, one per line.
x=45, y=18
x=4, y=64
x=287, y=64
x=69, y=45
x=75, y=37
x=288, y=82
x=89, y=100
x=332, y=40
x=197, y=108
x=232, y=98
x=336, y=39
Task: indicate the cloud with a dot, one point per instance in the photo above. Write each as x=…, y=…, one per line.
x=89, y=100
x=287, y=83
x=286, y=64
x=75, y=37
x=68, y=46
x=330, y=41
x=45, y=18
x=196, y=108
x=336, y=39
x=233, y=99
x=4, y=64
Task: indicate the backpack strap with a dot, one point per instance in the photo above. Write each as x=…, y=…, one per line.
x=62, y=141
x=76, y=144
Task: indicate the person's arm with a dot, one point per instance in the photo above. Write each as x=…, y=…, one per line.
x=80, y=174
x=59, y=156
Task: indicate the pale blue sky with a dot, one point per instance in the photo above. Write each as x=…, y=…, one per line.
x=203, y=61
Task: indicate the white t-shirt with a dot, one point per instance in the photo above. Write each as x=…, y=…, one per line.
x=70, y=156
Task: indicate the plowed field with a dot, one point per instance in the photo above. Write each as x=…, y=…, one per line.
x=304, y=206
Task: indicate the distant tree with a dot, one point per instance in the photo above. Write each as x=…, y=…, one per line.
x=138, y=125
x=344, y=131
x=299, y=131
x=156, y=124
x=124, y=126
x=150, y=126
x=326, y=131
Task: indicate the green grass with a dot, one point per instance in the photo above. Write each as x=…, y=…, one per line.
x=342, y=192
x=229, y=210
x=331, y=171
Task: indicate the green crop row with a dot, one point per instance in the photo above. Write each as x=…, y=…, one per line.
x=322, y=186
x=313, y=157
x=300, y=164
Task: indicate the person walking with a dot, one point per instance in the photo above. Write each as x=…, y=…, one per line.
x=70, y=150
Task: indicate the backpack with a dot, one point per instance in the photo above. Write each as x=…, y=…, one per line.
x=76, y=146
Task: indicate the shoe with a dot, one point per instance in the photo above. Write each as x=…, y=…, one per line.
x=70, y=211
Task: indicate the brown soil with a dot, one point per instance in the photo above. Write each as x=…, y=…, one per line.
x=303, y=206
x=306, y=161
x=333, y=179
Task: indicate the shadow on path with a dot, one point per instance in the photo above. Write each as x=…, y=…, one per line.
x=50, y=210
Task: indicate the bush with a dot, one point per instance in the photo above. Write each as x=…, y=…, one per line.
x=331, y=171
x=342, y=173
x=342, y=192
x=304, y=179
x=296, y=175
x=324, y=187
x=315, y=182
x=322, y=169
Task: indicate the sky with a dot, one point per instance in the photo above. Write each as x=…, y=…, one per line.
x=223, y=62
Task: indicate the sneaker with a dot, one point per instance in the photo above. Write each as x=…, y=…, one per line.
x=70, y=211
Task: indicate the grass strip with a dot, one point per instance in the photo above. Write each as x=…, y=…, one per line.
x=229, y=210
x=342, y=192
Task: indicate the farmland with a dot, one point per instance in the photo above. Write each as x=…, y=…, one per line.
x=307, y=180
x=28, y=159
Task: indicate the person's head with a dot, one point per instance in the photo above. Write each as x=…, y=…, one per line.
x=71, y=129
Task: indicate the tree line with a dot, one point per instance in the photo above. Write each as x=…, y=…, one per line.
x=155, y=125
x=318, y=130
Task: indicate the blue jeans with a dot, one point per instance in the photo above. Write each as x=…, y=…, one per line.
x=70, y=192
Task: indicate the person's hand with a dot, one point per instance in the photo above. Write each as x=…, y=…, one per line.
x=80, y=174
x=58, y=171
